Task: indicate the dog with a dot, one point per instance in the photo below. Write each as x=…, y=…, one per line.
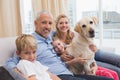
x=79, y=47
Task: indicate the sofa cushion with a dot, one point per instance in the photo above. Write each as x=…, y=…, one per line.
x=7, y=48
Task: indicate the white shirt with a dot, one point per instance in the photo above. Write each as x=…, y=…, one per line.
x=33, y=68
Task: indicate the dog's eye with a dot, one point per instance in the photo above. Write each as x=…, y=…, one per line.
x=91, y=22
x=83, y=26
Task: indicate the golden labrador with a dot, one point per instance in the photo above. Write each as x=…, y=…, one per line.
x=84, y=35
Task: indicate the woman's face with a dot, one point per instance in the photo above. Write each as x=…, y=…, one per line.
x=63, y=25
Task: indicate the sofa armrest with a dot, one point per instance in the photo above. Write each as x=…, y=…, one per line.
x=7, y=48
x=109, y=66
x=108, y=57
x=4, y=74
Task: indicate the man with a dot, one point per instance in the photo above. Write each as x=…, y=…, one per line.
x=45, y=53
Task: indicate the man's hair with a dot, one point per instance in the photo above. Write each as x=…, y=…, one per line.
x=43, y=12
x=24, y=41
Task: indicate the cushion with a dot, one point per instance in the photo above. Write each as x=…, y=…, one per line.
x=7, y=48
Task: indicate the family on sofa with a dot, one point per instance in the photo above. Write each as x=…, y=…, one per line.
x=46, y=56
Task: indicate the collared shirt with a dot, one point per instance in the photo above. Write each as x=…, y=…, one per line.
x=47, y=56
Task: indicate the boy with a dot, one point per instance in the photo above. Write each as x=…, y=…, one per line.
x=28, y=66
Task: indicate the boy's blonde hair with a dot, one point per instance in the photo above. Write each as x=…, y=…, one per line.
x=24, y=41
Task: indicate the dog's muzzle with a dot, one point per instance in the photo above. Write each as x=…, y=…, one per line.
x=91, y=33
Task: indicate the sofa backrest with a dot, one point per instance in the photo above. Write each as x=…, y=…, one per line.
x=7, y=48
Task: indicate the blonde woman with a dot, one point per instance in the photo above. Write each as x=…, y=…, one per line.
x=64, y=34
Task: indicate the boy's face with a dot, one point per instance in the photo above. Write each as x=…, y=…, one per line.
x=27, y=54
x=58, y=46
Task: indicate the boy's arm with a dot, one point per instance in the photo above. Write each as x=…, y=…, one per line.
x=53, y=77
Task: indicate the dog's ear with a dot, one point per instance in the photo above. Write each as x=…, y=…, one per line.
x=78, y=28
x=95, y=20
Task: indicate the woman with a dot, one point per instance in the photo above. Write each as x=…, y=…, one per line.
x=64, y=33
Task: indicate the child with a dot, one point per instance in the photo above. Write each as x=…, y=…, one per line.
x=28, y=66
x=60, y=50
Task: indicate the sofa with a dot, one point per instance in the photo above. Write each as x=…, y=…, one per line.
x=7, y=48
x=105, y=59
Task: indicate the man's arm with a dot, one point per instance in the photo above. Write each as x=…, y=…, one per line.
x=12, y=62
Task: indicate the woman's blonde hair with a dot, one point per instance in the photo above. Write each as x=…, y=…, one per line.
x=24, y=41
x=69, y=33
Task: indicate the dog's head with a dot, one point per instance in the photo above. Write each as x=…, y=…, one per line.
x=85, y=27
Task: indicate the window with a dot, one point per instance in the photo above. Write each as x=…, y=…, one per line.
x=108, y=14
x=26, y=16
x=72, y=12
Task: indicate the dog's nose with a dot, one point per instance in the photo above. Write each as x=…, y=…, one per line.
x=91, y=31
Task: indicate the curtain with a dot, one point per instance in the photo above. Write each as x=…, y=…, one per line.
x=10, y=21
x=56, y=7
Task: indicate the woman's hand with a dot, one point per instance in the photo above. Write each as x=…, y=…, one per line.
x=93, y=48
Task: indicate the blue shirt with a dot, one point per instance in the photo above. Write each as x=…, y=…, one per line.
x=46, y=55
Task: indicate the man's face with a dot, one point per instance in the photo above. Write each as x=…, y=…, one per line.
x=43, y=25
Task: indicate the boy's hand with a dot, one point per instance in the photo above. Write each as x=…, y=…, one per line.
x=31, y=78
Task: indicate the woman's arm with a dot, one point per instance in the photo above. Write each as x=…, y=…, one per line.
x=71, y=60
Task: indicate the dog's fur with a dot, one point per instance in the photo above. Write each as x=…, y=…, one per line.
x=80, y=45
